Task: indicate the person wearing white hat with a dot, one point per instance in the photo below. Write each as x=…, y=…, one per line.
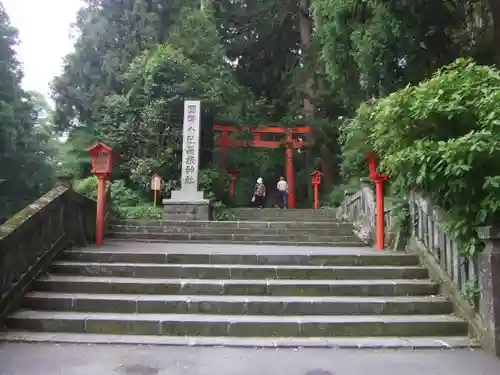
x=259, y=193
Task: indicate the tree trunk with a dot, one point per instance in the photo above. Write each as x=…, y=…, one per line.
x=308, y=108
x=495, y=14
x=306, y=25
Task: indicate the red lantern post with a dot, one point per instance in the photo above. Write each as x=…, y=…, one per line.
x=316, y=180
x=234, y=175
x=378, y=179
x=100, y=155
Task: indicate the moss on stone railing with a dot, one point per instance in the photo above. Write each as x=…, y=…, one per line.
x=33, y=237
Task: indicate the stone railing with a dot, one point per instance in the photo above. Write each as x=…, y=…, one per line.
x=440, y=251
x=459, y=276
x=358, y=208
x=32, y=238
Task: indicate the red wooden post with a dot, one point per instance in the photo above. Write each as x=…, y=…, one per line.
x=290, y=173
x=378, y=179
x=100, y=155
x=372, y=166
x=234, y=176
x=101, y=204
x=316, y=180
x=224, y=148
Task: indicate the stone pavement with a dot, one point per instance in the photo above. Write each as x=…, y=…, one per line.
x=77, y=359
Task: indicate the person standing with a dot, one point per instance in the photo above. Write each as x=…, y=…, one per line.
x=282, y=187
x=259, y=193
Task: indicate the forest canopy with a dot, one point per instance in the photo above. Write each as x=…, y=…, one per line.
x=321, y=63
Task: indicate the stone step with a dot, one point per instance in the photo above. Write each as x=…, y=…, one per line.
x=224, y=255
x=388, y=342
x=282, y=215
x=238, y=325
x=249, y=305
x=278, y=219
x=111, y=285
x=336, y=231
x=266, y=218
x=271, y=211
x=281, y=243
x=238, y=238
x=237, y=271
x=338, y=227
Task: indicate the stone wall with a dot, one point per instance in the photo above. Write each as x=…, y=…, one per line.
x=32, y=238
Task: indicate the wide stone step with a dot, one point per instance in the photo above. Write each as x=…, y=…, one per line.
x=282, y=242
x=238, y=325
x=237, y=271
x=180, y=228
x=277, y=212
x=387, y=342
x=221, y=255
x=305, y=239
x=282, y=225
x=112, y=285
x=268, y=218
x=309, y=219
x=249, y=305
x=258, y=216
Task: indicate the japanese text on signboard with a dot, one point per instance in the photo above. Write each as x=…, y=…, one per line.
x=190, y=148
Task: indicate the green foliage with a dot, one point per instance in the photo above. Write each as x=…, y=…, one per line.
x=143, y=211
x=374, y=47
x=250, y=62
x=440, y=137
x=123, y=196
x=337, y=195
x=470, y=291
x=120, y=194
x=87, y=187
x=221, y=212
x=215, y=184
x=400, y=216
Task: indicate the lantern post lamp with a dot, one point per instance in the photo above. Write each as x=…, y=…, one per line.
x=156, y=185
x=316, y=181
x=378, y=179
x=100, y=155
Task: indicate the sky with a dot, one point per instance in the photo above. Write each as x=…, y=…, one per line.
x=44, y=33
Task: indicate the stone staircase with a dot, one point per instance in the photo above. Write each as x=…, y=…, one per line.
x=267, y=226
x=226, y=283
x=237, y=295
x=296, y=233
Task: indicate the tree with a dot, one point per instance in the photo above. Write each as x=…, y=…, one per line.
x=111, y=34
x=25, y=166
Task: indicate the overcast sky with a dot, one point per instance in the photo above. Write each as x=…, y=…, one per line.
x=44, y=34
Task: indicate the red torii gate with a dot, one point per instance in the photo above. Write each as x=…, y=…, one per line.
x=292, y=141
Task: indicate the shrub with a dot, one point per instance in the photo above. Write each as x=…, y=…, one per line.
x=87, y=187
x=215, y=184
x=143, y=211
x=336, y=196
x=440, y=137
